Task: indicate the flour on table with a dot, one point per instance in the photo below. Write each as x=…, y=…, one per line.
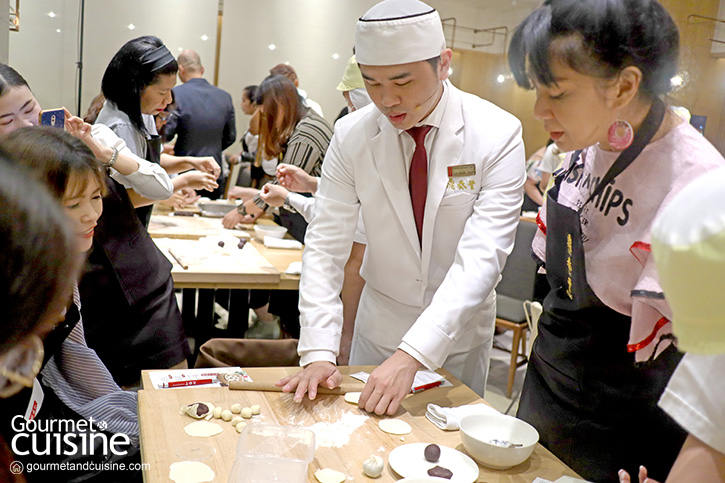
x=337, y=434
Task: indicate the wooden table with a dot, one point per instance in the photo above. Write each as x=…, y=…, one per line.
x=194, y=228
x=262, y=268
x=162, y=429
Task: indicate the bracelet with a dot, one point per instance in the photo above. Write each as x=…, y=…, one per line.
x=114, y=158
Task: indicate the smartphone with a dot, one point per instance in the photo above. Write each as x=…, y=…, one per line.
x=53, y=117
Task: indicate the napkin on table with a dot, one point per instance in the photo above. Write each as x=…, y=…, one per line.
x=295, y=268
x=449, y=418
x=272, y=242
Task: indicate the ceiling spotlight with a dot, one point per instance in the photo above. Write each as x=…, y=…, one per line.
x=335, y=56
x=204, y=37
x=51, y=14
x=500, y=78
x=180, y=49
x=131, y=26
x=271, y=47
x=677, y=81
x=57, y=30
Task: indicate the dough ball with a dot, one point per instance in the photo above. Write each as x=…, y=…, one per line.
x=227, y=415
x=247, y=413
x=236, y=408
x=190, y=472
x=256, y=409
x=202, y=429
x=352, y=397
x=326, y=475
x=373, y=466
x=432, y=453
x=217, y=413
x=236, y=420
x=240, y=426
x=394, y=426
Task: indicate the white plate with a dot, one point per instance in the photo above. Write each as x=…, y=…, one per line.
x=408, y=461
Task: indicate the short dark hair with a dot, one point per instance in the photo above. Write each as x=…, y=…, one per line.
x=599, y=38
x=39, y=258
x=250, y=92
x=10, y=78
x=434, y=61
x=127, y=76
x=54, y=157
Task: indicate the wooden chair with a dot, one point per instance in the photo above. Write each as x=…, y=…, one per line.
x=516, y=287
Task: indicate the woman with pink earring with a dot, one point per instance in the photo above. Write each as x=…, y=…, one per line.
x=605, y=350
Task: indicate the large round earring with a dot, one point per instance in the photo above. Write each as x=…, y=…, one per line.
x=620, y=134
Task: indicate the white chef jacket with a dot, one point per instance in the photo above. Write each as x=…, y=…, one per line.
x=432, y=298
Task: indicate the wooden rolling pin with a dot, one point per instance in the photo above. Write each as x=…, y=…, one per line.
x=345, y=387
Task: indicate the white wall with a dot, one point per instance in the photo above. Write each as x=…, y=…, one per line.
x=306, y=33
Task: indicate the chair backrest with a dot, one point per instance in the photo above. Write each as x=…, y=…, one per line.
x=248, y=353
x=518, y=276
x=532, y=311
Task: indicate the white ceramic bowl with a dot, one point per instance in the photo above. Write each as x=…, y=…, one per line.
x=274, y=231
x=478, y=430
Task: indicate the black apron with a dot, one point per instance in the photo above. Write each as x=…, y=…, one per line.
x=153, y=155
x=130, y=314
x=593, y=406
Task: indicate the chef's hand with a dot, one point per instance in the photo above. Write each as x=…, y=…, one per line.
x=624, y=476
x=295, y=178
x=389, y=383
x=273, y=195
x=307, y=380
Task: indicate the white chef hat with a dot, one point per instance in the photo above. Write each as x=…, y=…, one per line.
x=399, y=32
x=688, y=244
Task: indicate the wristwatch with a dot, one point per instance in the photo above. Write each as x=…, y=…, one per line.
x=242, y=210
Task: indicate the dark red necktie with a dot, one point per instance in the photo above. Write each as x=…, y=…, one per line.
x=418, y=176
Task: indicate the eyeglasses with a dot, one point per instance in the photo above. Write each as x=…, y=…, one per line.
x=20, y=365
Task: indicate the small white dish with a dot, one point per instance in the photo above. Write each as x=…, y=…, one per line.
x=482, y=435
x=408, y=461
x=275, y=231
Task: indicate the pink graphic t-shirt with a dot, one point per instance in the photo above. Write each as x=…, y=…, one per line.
x=616, y=225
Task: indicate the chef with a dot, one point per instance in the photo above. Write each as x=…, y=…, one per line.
x=437, y=175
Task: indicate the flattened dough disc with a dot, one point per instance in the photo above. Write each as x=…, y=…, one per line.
x=326, y=475
x=190, y=472
x=202, y=429
x=352, y=397
x=394, y=426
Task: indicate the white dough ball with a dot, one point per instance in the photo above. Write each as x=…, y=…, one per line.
x=236, y=408
x=246, y=413
x=227, y=415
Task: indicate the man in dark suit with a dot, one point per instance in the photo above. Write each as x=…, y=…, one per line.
x=204, y=119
